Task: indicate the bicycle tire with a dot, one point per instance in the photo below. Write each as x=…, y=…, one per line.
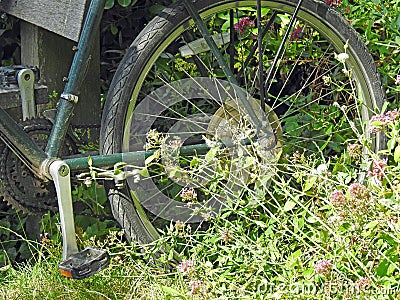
x=152, y=41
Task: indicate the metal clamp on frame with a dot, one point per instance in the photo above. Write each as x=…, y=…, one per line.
x=70, y=98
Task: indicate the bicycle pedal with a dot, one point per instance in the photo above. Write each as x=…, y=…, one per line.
x=85, y=263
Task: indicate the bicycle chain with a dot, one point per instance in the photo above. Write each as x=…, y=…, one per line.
x=19, y=187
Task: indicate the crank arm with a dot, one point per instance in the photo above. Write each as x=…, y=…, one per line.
x=75, y=264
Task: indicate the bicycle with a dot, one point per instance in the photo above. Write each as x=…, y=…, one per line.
x=292, y=75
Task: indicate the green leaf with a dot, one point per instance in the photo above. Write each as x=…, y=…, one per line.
x=150, y=159
x=372, y=224
x=173, y=293
x=171, y=254
x=312, y=219
x=90, y=161
x=289, y=205
x=124, y=3
x=391, y=144
x=109, y=4
x=309, y=183
x=114, y=29
x=156, y=9
x=396, y=154
x=144, y=172
x=383, y=268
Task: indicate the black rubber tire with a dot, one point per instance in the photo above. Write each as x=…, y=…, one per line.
x=139, y=55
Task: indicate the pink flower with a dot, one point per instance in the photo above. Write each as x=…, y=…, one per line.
x=393, y=115
x=338, y=198
x=358, y=191
x=296, y=33
x=333, y=3
x=186, y=266
x=379, y=122
x=243, y=25
x=378, y=169
x=363, y=283
x=226, y=236
x=195, y=286
x=188, y=194
x=322, y=266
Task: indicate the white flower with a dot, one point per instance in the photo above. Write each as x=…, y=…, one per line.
x=342, y=57
x=320, y=170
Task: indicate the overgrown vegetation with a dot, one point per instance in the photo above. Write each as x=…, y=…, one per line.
x=323, y=232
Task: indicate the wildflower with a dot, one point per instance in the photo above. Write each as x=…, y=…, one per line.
x=354, y=151
x=207, y=216
x=186, y=266
x=188, y=194
x=322, y=169
x=195, y=286
x=333, y=3
x=363, y=283
x=393, y=115
x=327, y=80
x=397, y=79
x=322, y=266
x=335, y=220
x=358, y=191
x=45, y=237
x=88, y=182
x=378, y=169
x=342, y=57
x=338, y=198
x=175, y=143
x=296, y=33
x=379, y=122
x=243, y=25
x=226, y=236
x=179, y=225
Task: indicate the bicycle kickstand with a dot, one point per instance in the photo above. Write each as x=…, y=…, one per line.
x=75, y=264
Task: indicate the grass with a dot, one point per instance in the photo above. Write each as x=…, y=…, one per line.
x=125, y=278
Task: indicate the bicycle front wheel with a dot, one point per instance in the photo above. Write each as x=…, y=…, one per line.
x=172, y=90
